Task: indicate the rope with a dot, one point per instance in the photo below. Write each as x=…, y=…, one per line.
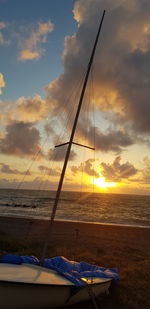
x=92, y=295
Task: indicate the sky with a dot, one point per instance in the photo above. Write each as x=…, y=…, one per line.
x=44, y=52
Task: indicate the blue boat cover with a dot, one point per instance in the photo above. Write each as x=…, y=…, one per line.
x=74, y=271
x=17, y=259
x=77, y=271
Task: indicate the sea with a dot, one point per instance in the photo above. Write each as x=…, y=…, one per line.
x=120, y=209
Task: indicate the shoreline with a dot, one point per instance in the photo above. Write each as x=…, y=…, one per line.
x=76, y=221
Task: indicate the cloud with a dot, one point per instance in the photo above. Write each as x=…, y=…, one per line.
x=31, y=47
x=113, y=140
x=31, y=109
x=26, y=109
x=50, y=128
x=2, y=82
x=2, y=39
x=117, y=171
x=121, y=67
x=145, y=172
x=86, y=167
x=59, y=154
x=6, y=169
x=6, y=111
x=2, y=25
x=29, y=55
x=110, y=140
x=21, y=139
x=49, y=171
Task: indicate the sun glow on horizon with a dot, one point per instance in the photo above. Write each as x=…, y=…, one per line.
x=102, y=184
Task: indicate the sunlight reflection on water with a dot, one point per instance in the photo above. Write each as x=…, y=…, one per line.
x=98, y=207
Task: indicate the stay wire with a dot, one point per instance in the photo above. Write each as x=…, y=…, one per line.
x=62, y=134
x=71, y=109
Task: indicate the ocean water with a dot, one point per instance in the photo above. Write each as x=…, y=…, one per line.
x=89, y=207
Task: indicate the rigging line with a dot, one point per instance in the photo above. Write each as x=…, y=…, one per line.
x=73, y=106
x=87, y=103
x=86, y=107
x=82, y=168
x=27, y=170
x=71, y=111
x=92, y=295
x=87, y=98
x=64, y=107
x=77, y=86
x=39, y=189
x=93, y=107
x=33, y=159
x=42, y=183
x=92, y=90
x=49, y=227
x=68, y=99
x=75, y=121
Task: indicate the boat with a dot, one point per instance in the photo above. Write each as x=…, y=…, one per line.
x=26, y=282
x=30, y=286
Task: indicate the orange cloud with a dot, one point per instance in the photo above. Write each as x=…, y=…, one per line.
x=2, y=82
x=31, y=47
x=86, y=167
x=31, y=109
x=27, y=54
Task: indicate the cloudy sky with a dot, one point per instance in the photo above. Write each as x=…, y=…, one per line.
x=44, y=50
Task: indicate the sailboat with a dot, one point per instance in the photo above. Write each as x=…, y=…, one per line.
x=26, y=282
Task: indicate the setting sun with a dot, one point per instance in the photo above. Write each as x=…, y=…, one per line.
x=101, y=183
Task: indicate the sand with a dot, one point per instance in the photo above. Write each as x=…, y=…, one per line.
x=124, y=247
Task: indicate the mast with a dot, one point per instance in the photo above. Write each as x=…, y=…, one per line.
x=72, y=135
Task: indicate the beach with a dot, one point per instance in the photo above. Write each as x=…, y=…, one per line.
x=124, y=247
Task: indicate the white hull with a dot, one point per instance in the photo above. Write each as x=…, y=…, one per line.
x=34, y=287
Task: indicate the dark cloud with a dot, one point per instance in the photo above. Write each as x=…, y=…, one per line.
x=111, y=140
x=49, y=171
x=145, y=172
x=117, y=171
x=21, y=139
x=49, y=128
x=5, y=168
x=136, y=68
x=38, y=182
x=5, y=183
x=58, y=154
x=86, y=167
